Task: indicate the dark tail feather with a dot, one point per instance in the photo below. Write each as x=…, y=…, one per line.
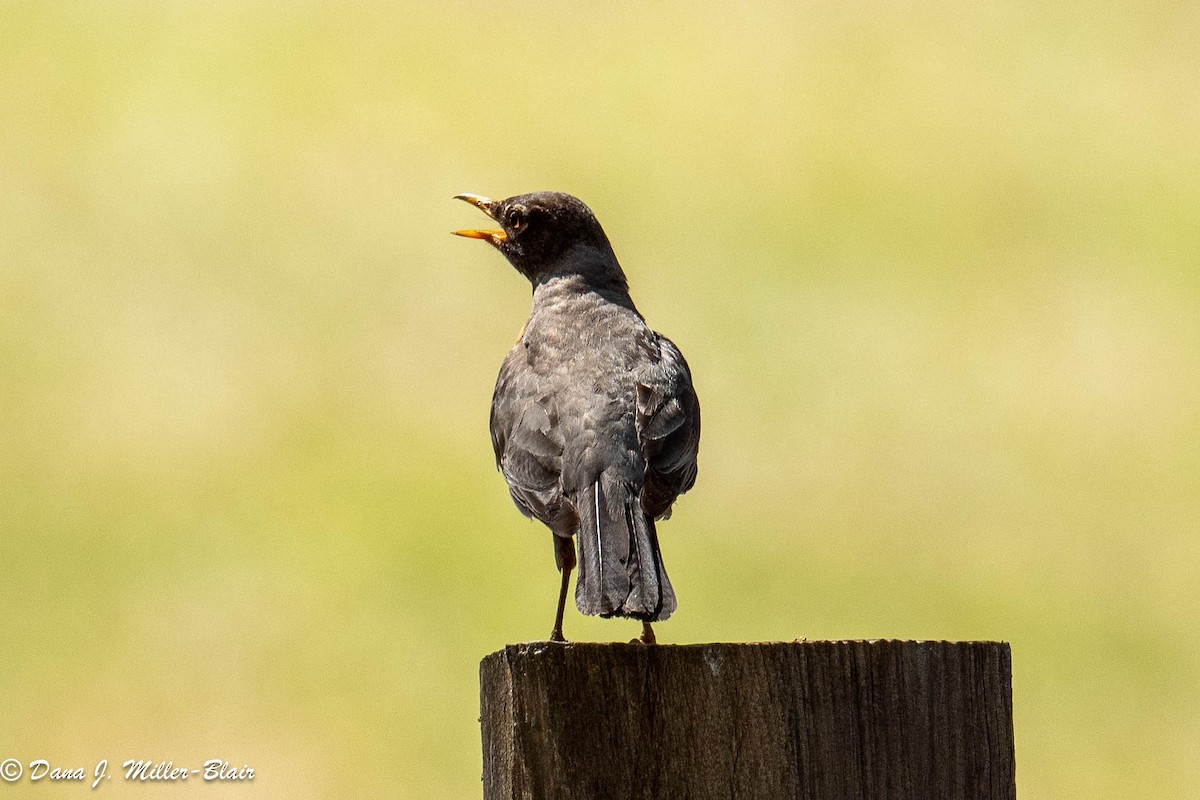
x=621, y=572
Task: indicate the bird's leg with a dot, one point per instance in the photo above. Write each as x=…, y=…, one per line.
x=564, y=555
x=647, y=636
x=556, y=635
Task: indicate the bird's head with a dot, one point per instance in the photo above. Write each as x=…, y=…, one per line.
x=545, y=234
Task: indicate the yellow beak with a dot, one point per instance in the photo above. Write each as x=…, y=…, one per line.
x=485, y=204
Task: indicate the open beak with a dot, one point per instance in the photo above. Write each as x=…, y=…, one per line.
x=492, y=235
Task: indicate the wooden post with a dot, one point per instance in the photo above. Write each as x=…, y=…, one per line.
x=815, y=720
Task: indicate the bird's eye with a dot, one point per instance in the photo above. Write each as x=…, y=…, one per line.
x=515, y=218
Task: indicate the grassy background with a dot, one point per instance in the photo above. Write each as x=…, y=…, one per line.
x=935, y=269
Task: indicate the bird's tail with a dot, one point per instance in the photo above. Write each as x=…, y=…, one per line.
x=621, y=572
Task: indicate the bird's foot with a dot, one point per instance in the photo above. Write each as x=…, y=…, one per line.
x=556, y=635
x=647, y=636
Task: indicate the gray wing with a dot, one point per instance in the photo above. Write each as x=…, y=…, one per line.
x=668, y=423
x=528, y=444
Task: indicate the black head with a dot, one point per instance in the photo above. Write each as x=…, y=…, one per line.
x=545, y=234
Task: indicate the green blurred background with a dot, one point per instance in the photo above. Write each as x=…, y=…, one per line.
x=935, y=269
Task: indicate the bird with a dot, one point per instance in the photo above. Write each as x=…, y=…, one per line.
x=594, y=419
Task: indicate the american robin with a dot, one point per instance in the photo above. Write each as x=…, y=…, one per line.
x=594, y=420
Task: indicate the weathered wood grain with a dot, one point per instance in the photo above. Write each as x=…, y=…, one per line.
x=813, y=720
